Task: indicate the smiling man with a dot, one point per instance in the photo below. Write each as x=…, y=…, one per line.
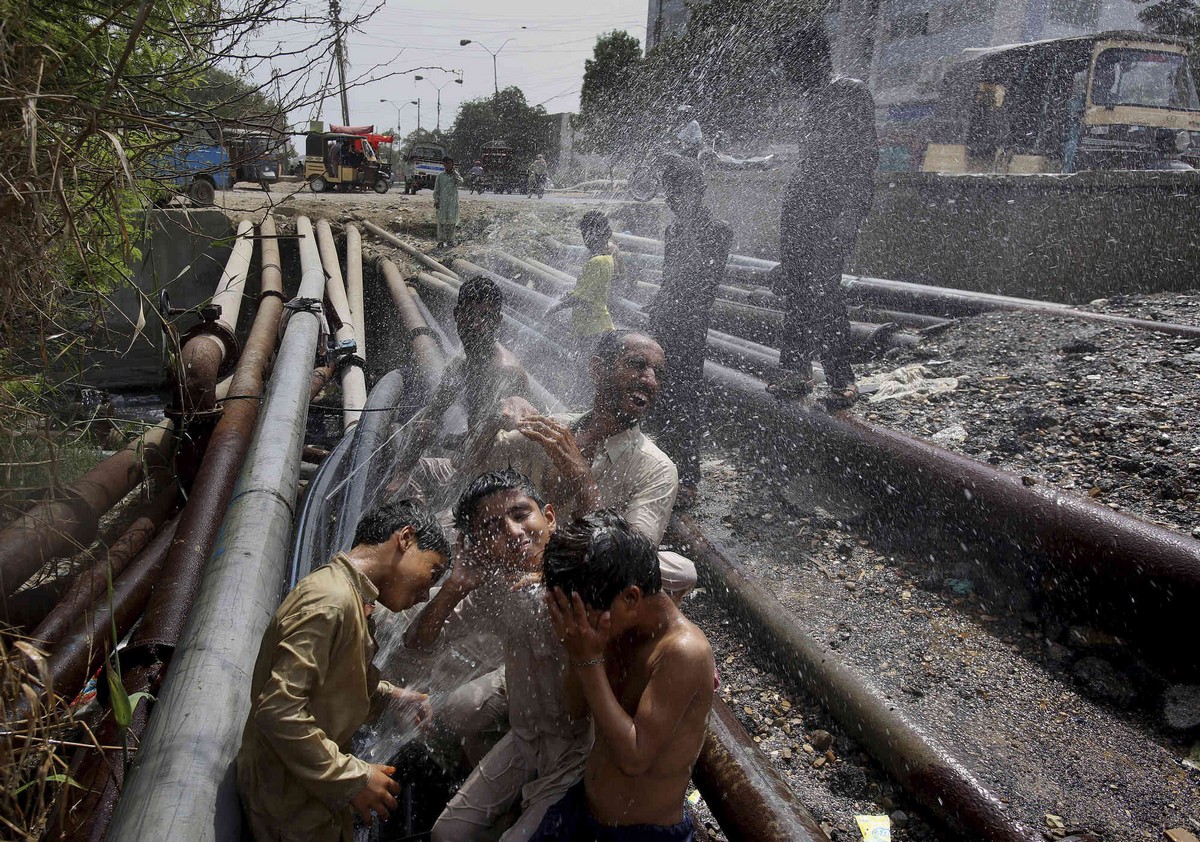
x=601, y=458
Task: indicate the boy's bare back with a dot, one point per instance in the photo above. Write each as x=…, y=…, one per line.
x=665, y=684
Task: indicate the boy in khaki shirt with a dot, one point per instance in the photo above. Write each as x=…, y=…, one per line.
x=314, y=684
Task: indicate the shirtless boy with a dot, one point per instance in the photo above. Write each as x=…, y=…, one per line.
x=643, y=672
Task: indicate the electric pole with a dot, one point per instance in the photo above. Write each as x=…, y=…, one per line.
x=339, y=56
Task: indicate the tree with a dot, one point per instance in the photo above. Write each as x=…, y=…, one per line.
x=504, y=116
x=604, y=112
x=1172, y=17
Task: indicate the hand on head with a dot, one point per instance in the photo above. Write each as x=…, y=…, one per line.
x=559, y=443
x=585, y=638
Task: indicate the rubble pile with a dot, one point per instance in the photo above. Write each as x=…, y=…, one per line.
x=1105, y=411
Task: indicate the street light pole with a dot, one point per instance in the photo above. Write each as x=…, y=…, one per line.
x=457, y=80
x=495, y=77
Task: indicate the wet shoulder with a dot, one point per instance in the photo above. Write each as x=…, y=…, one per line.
x=324, y=588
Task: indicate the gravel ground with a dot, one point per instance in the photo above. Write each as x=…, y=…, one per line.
x=1027, y=714
x=1104, y=411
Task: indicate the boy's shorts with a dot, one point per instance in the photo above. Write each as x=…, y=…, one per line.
x=570, y=821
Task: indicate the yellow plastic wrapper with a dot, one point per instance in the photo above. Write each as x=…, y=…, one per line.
x=875, y=828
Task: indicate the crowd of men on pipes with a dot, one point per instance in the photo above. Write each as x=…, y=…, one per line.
x=588, y=723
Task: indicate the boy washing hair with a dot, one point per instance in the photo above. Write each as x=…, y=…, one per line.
x=504, y=525
x=643, y=672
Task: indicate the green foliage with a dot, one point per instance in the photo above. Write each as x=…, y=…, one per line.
x=1172, y=17
x=505, y=116
x=417, y=136
x=607, y=78
x=723, y=65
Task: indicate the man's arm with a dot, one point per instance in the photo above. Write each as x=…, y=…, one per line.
x=282, y=716
x=560, y=445
x=465, y=576
x=682, y=673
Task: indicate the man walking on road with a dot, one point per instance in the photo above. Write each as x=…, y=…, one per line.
x=445, y=202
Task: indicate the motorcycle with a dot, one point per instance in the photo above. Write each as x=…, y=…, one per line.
x=537, y=184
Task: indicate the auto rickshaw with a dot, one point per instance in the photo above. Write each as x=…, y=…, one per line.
x=1116, y=100
x=343, y=161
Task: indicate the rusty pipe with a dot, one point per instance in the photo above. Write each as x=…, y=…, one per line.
x=927, y=772
x=150, y=649
x=749, y=799
x=91, y=584
x=354, y=382
x=426, y=354
x=82, y=644
x=174, y=791
x=67, y=524
x=1139, y=579
x=210, y=345
x=420, y=256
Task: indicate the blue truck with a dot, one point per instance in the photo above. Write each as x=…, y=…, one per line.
x=198, y=165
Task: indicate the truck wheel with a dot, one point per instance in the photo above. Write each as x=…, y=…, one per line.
x=381, y=185
x=201, y=192
x=318, y=184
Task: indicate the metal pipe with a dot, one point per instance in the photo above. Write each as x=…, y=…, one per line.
x=545, y=282
x=959, y=301
x=88, y=637
x=1139, y=579
x=354, y=288
x=449, y=346
x=68, y=523
x=420, y=256
x=364, y=471
x=354, y=381
x=927, y=772
x=425, y=352
x=151, y=647
x=174, y=790
x=311, y=535
x=749, y=799
x=209, y=345
x=91, y=584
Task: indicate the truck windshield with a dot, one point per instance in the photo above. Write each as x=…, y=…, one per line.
x=1144, y=77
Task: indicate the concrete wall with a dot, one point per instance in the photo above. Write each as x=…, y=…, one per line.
x=1065, y=237
x=183, y=252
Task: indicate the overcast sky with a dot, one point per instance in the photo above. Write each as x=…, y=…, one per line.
x=550, y=41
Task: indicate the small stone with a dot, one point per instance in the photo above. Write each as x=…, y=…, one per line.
x=821, y=740
x=819, y=762
x=899, y=818
x=850, y=586
x=786, y=754
x=830, y=756
x=808, y=749
x=1181, y=707
x=1055, y=821
x=1180, y=834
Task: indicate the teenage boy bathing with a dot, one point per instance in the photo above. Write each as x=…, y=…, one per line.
x=643, y=672
x=314, y=684
x=504, y=526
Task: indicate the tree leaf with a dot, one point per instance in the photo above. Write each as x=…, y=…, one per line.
x=121, y=706
x=57, y=779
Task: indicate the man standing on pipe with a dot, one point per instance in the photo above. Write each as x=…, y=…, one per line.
x=314, y=684
x=695, y=252
x=826, y=202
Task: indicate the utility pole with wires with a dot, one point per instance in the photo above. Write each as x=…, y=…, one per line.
x=339, y=56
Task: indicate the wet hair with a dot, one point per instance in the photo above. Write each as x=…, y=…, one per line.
x=447, y=158
x=484, y=486
x=594, y=223
x=683, y=175
x=385, y=520
x=480, y=290
x=598, y=557
x=612, y=343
